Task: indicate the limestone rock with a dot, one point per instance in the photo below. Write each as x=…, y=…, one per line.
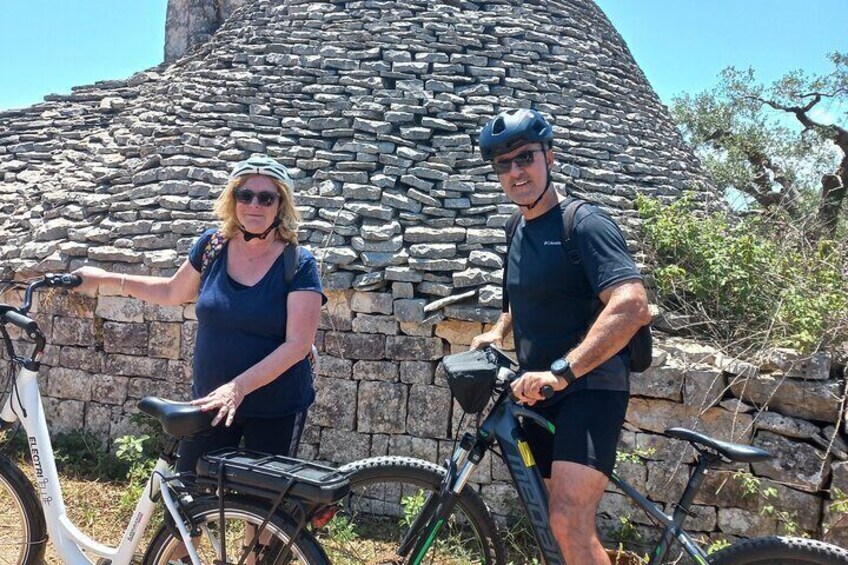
x=785, y=426
x=355, y=346
x=429, y=411
x=703, y=388
x=413, y=348
x=335, y=404
x=382, y=407
x=798, y=464
x=340, y=446
x=375, y=371
x=797, y=366
x=665, y=381
x=813, y=400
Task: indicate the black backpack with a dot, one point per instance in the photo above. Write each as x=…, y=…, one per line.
x=641, y=344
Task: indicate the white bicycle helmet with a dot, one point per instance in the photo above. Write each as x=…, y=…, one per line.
x=262, y=166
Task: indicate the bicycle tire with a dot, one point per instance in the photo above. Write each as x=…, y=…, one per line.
x=166, y=546
x=779, y=550
x=23, y=532
x=377, y=513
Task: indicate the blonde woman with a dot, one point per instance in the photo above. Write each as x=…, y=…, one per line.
x=255, y=330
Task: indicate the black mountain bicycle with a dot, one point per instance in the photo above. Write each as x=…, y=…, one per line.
x=443, y=521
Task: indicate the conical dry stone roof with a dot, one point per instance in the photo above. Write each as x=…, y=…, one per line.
x=374, y=104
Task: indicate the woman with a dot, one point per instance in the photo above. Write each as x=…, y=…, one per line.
x=255, y=331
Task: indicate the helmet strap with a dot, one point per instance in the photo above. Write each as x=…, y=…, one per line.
x=250, y=235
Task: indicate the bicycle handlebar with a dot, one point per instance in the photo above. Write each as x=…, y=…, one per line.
x=26, y=324
x=507, y=376
x=18, y=316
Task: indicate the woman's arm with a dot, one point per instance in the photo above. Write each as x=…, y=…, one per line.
x=179, y=288
x=303, y=312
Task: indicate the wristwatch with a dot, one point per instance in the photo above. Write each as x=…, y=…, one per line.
x=562, y=368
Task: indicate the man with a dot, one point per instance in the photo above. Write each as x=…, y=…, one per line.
x=550, y=304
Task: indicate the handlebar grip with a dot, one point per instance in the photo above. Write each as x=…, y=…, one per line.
x=547, y=391
x=66, y=280
x=27, y=324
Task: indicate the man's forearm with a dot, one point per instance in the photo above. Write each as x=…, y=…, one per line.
x=610, y=333
x=504, y=324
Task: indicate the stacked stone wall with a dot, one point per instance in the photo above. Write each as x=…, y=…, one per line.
x=380, y=391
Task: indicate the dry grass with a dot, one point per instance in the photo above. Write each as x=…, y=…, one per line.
x=95, y=507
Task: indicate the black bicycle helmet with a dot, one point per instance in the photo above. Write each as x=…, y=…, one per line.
x=513, y=128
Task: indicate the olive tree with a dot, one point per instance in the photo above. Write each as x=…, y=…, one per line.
x=784, y=146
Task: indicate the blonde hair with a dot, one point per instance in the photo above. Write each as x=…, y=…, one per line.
x=225, y=209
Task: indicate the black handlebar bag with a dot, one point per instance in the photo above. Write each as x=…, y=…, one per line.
x=471, y=376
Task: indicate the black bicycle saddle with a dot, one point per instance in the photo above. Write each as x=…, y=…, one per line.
x=732, y=451
x=179, y=419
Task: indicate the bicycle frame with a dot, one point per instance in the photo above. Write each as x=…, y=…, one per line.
x=24, y=404
x=503, y=426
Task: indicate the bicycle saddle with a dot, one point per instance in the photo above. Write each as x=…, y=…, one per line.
x=179, y=419
x=732, y=451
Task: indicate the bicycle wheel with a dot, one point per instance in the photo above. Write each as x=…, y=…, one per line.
x=777, y=550
x=239, y=515
x=23, y=534
x=387, y=494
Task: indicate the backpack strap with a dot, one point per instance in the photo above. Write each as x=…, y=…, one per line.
x=511, y=226
x=568, y=227
x=212, y=250
x=290, y=254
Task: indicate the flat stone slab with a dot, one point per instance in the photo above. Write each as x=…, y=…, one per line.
x=810, y=400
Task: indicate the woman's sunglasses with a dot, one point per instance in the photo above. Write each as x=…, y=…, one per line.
x=523, y=160
x=264, y=198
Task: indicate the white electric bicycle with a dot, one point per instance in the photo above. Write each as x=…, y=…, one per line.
x=235, y=502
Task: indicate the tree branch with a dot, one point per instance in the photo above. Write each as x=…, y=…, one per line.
x=836, y=133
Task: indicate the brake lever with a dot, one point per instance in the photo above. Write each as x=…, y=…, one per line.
x=502, y=356
x=507, y=376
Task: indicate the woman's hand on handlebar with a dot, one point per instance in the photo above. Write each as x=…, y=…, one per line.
x=91, y=279
x=527, y=388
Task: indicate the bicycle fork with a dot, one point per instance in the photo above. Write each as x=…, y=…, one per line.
x=439, y=506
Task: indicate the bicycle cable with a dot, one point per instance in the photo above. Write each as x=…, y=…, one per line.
x=7, y=389
x=458, y=431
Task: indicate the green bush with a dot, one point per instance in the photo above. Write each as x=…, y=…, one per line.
x=747, y=281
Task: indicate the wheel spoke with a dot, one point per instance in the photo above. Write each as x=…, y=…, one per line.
x=371, y=522
x=22, y=530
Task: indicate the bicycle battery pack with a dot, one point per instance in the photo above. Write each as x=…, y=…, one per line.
x=260, y=474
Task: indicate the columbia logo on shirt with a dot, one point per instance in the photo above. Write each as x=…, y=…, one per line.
x=553, y=243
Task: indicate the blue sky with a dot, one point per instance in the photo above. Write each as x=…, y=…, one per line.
x=681, y=45
x=48, y=46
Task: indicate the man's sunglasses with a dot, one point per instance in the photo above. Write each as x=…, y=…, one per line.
x=523, y=160
x=264, y=198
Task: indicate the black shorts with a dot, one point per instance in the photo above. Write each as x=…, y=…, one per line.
x=277, y=436
x=588, y=424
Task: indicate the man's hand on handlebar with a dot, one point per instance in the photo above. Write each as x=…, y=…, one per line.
x=527, y=388
x=486, y=339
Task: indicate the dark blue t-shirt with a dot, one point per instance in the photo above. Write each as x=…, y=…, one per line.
x=553, y=300
x=240, y=325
